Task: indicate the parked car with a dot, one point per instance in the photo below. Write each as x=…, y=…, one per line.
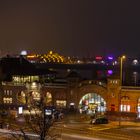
x=102, y=120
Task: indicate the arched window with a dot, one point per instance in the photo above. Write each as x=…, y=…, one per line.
x=92, y=103
x=36, y=95
x=21, y=97
x=48, y=98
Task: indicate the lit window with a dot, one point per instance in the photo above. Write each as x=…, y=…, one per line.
x=36, y=95
x=125, y=108
x=138, y=108
x=22, y=94
x=7, y=100
x=125, y=105
x=7, y=92
x=128, y=108
x=10, y=92
x=61, y=103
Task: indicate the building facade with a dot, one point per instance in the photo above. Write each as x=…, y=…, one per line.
x=86, y=97
x=63, y=88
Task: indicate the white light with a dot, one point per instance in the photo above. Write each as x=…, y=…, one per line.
x=34, y=84
x=115, y=62
x=102, y=62
x=78, y=61
x=135, y=73
x=135, y=62
x=48, y=112
x=20, y=110
x=94, y=62
x=24, y=52
x=72, y=104
x=100, y=83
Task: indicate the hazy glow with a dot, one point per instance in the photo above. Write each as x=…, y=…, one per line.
x=110, y=57
x=110, y=72
x=24, y=52
x=98, y=57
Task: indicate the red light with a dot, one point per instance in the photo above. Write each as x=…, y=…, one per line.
x=98, y=57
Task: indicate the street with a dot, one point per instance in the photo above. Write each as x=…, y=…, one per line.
x=75, y=129
x=111, y=131
x=77, y=137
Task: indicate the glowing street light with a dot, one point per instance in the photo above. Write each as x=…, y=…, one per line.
x=121, y=76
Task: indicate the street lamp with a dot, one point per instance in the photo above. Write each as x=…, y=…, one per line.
x=121, y=68
x=121, y=77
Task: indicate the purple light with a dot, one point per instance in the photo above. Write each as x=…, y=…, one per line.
x=110, y=72
x=110, y=57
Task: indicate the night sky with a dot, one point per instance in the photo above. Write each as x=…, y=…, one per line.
x=70, y=27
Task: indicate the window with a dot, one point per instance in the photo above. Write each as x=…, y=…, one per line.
x=138, y=108
x=23, y=79
x=8, y=92
x=5, y=92
x=7, y=100
x=125, y=104
x=61, y=103
x=91, y=103
x=36, y=95
x=48, y=98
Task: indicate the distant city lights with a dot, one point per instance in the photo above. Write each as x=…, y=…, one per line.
x=98, y=57
x=110, y=72
x=110, y=58
x=135, y=62
x=52, y=57
x=24, y=52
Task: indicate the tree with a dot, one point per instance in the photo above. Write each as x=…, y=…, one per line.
x=37, y=121
x=40, y=123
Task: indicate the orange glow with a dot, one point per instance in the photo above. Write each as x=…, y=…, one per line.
x=31, y=56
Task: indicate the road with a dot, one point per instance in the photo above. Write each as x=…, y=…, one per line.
x=77, y=137
x=109, y=131
x=78, y=130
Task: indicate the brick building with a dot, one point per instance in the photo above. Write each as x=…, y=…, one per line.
x=28, y=83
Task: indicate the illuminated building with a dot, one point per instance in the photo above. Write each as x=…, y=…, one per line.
x=71, y=86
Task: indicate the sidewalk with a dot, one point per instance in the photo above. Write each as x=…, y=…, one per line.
x=126, y=123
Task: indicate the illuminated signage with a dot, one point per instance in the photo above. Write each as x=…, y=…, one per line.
x=110, y=58
x=98, y=57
